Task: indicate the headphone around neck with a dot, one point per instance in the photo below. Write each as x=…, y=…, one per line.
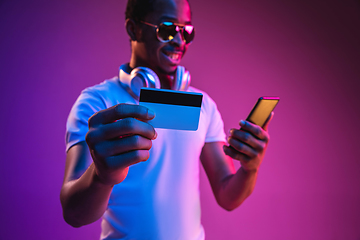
x=145, y=77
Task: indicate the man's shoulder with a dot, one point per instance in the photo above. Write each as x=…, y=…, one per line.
x=107, y=93
x=108, y=85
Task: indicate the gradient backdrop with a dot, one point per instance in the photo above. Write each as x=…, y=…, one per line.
x=306, y=52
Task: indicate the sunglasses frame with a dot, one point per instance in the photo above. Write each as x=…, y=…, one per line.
x=180, y=26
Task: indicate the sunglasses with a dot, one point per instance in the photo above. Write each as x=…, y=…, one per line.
x=166, y=31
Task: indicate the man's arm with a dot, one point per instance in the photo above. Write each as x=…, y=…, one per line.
x=118, y=137
x=229, y=186
x=83, y=197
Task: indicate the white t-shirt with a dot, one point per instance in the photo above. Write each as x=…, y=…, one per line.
x=159, y=199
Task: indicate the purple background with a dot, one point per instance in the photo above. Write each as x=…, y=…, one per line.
x=306, y=52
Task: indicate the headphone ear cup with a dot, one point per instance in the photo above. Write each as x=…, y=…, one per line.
x=143, y=77
x=124, y=77
x=138, y=78
x=182, y=79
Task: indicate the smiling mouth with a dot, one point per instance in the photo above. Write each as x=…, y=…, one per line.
x=175, y=56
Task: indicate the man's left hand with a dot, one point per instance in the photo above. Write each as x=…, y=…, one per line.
x=248, y=145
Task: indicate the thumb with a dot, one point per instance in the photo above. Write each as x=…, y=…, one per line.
x=268, y=120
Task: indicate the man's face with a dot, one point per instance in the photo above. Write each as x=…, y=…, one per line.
x=150, y=52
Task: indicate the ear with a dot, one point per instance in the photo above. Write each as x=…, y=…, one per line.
x=131, y=29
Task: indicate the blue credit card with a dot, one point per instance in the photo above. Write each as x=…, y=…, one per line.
x=173, y=109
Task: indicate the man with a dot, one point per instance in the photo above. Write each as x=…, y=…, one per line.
x=144, y=182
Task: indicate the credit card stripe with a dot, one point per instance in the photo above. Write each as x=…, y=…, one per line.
x=173, y=98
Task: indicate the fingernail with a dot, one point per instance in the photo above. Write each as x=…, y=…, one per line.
x=155, y=135
x=242, y=122
x=151, y=114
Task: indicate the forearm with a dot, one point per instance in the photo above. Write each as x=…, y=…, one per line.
x=85, y=199
x=236, y=188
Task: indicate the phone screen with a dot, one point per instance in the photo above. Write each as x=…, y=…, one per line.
x=262, y=110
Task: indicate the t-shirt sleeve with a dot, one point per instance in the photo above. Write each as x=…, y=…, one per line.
x=215, y=131
x=85, y=106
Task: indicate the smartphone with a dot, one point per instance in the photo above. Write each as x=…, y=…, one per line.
x=262, y=110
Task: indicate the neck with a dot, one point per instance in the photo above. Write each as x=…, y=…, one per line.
x=166, y=80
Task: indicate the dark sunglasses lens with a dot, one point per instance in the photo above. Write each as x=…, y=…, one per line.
x=167, y=31
x=189, y=33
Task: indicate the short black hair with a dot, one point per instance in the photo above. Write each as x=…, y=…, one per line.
x=138, y=9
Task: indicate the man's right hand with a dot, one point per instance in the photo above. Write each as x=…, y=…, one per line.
x=119, y=137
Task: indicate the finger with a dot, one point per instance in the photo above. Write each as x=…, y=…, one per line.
x=242, y=147
x=127, y=159
x=231, y=152
x=247, y=138
x=126, y=126
x=122, y=145
x=118, y=129
x=268, y=120
x=120, y=111
x=255, y=130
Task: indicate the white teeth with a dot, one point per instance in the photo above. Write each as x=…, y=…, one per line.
x=174, y=56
